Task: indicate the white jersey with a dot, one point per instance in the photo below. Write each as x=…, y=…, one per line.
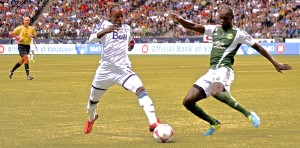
x=115, y=44
x=32, y=45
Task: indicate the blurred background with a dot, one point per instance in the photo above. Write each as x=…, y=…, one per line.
x=75, y=19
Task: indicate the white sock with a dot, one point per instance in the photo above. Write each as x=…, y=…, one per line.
x=91, y=110
x=91, y=115
x=147, y=105
x=94, y=98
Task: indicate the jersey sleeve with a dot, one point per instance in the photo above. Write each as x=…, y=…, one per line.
x=209, y=29
x=246, y=38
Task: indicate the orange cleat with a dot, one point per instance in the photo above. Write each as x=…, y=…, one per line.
x=154, y=125
x=89, y=125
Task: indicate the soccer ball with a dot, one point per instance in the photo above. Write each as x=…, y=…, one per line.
x=163, y=133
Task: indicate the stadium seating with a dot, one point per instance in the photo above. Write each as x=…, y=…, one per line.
x=149, y=18
x=13, y=11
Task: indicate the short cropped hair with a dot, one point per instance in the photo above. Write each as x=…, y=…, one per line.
x=114, y=7
x=227, y=8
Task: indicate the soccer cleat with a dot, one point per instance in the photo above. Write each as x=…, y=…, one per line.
x=33, y=61
x=254, y=119
x=89, y=125
x=10, y=74
x=212, y=128
x=29, y=77
x=154, y=125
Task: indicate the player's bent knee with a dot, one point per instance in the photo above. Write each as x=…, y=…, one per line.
x=187, y=102
x=216, y=94
x=140, y=89
x=26, y=60
x=21, y=61
x=96, y=93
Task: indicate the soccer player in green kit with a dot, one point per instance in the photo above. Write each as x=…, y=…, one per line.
x=217, y=81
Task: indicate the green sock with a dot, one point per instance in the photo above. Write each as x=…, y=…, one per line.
x=229, y=100
x=196, y=110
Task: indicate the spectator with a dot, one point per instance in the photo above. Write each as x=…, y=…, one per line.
x=145, y=16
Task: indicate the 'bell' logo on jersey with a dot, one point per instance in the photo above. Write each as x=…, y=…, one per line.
x=120, y=37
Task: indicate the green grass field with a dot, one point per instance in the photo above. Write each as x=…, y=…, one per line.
x=50, y=111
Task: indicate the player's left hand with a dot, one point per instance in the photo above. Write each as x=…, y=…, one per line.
x=279, y=67
x=131, y=45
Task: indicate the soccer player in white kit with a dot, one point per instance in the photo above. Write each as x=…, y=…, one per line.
x=32, y=48
x=115, y=67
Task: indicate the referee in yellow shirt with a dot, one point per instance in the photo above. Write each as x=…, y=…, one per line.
x=23, y=35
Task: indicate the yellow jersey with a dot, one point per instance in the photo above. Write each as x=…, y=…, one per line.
x=24, y=34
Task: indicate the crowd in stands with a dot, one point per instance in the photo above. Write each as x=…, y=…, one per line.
x=149, y=18
x=13, y=11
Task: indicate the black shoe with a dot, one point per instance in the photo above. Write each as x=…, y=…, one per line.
x=29, y=77
x=10, y=74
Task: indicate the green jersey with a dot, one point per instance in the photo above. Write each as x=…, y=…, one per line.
x=226, y=44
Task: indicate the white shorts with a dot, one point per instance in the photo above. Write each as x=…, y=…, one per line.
x=107, y=76
x=223, y=75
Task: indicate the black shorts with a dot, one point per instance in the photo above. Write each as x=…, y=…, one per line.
x=23, y=49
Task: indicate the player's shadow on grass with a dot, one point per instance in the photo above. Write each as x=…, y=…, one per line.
x=130, y=136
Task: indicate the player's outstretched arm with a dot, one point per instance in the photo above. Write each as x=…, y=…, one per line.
x=188, y=24
x=14, y=35
x=93, y=38
x=34, y=42
x=278, y=66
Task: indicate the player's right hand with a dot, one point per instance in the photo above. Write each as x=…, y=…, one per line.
x=174, y=16
x=113, y=28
